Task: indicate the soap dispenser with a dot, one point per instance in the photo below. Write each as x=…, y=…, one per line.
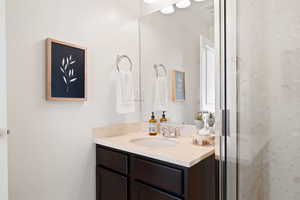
x=163, y=119
x=152, y=125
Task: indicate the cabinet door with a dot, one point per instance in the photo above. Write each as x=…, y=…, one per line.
x=143, y=192
x=111, y=159
x=110, y=185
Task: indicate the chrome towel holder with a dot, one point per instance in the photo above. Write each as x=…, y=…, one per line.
x=120, y=58
x=156, y=67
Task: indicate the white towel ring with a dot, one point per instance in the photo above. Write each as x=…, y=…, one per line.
x=119, y=60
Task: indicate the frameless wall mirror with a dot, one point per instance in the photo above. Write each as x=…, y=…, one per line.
x=177, y=59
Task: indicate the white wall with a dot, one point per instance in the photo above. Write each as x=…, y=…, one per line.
x=174, y=41
x=3, y=110
x=51, y=151
x=269, y=38
x=2, y=65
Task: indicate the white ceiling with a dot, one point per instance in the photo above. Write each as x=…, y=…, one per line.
x=192, y=19
x=151, y=8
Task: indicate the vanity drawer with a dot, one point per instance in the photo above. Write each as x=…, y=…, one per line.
x=161, y=176
x=111, y=159
x=144, y=192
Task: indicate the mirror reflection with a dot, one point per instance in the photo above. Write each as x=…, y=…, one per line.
x=177, y=61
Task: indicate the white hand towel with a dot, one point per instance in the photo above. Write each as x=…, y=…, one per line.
x=125, y=92
x=161, y=94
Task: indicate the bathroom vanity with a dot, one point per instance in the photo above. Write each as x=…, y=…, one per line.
x=129, y=171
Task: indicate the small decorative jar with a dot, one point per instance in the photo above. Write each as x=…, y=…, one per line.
x=199, y=121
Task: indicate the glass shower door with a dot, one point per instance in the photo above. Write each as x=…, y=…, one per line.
x=227, y=106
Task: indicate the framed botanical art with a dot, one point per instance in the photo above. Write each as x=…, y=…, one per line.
x=178, y=86
x=66, y=71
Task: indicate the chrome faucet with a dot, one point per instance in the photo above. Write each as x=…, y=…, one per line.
x=170, y=131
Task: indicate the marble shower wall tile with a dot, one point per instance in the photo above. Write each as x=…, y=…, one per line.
x=269, y=38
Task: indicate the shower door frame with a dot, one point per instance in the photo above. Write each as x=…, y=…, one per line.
x=227, y=108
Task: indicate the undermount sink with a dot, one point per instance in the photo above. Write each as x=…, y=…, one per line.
x=154, y=142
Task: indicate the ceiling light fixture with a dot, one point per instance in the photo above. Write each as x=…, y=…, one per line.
x=199, y=0
x=183, y=4
x=168, y=10
x=149, y=1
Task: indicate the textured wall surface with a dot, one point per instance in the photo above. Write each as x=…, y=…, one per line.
x=269, y=38
x=51, y=152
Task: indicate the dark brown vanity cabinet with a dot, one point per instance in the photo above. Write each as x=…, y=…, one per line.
x=126, y=176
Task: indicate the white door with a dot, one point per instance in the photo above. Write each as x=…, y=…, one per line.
x=3, y=123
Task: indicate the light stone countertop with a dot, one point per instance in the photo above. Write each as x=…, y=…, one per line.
x=184, y=153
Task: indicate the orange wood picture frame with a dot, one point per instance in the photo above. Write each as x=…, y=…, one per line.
x=49, y=96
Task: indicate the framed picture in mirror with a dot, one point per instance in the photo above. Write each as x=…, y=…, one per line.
x=178, y=86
